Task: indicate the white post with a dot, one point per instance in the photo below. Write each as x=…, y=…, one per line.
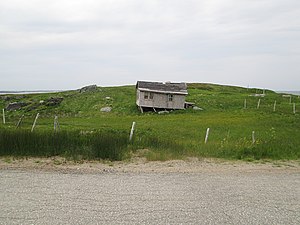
x=132, y=130
x=20, y=121
x=264, y=91
x=245, y=104
x=206, y=136
x=274, y=108
x=258, y=104
x=34, y=123
x=56, y=124
x=3, y=115
x=294, y=108
x=291, y=99
x=253, y=137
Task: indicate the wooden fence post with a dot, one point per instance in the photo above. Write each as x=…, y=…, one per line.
x=132, y=130
x=245, y=104
x=253, y=137
x=294, y=108
x=206, y=136
x=20, y=121
x=56, y=124
x=3, y=115
x=274, y=108
x=34, y=123
x=258, y=104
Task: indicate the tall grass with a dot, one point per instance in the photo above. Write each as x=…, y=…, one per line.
x=71, y=144
x=114, y=145
x=161, y=149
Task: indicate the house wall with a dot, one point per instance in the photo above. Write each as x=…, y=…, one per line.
x=160, y=100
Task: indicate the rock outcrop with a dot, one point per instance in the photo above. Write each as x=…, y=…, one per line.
x=16, y=105
x=106, y=109
x=90, y=88
x=53, y=101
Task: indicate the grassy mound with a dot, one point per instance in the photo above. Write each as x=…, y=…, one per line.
x=86, y=132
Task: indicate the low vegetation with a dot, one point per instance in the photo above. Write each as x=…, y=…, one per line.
x=87, y=133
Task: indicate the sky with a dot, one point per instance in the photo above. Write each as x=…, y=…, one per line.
x=67, y=44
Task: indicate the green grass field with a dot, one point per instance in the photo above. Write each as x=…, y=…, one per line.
x=87, y=133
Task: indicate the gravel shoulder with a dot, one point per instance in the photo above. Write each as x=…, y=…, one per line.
x=141, y=165
x=193, y=191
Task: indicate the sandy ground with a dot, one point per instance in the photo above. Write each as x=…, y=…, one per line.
x=141, y=165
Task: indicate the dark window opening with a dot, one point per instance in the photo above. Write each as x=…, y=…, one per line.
x=148, y=95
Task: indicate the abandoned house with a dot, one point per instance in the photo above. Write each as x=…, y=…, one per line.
x=160, y=96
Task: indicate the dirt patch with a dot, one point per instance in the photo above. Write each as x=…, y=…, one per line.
x=141, y=165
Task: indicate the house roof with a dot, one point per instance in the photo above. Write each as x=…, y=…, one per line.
x=168, y=87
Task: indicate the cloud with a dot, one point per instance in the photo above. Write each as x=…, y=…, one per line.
x=121, y=41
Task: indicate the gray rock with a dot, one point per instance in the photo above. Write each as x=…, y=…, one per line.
x=6, y=98
x=197, y=108
x=33, y=107
x=106, y=109
x=90, y=88
x=16, y=105
x=54, y=101
x=163, y=112
x=19, y=97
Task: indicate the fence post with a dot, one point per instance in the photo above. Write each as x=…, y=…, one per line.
x=253, y=137
x=56, y=124
x=3, y=115
x=132, y=130
x=206, y=136
x=294, y=108
x=20, y=121
x=258, y=104
x=274, y=108
x=245, y=104
x=34, y=123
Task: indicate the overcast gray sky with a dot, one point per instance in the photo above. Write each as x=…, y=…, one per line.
x=66, y=44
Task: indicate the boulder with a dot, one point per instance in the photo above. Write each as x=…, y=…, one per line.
x=32, y=107
x=163, y=112
x=90, y=88
x=16, y=105
x=6, y=98
x=19, y=96
x=106, y=109
x=54, y=101
x=197, y=108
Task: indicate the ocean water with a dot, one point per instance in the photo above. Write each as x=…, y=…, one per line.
x=25, y=92
x=290, y=92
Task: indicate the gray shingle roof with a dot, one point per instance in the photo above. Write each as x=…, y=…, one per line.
x=179, y=88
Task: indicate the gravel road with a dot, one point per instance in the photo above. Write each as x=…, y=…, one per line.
x=216, y=197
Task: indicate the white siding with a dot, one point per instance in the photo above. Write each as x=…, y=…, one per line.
x=161, y=100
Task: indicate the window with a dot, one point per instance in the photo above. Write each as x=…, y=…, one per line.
x=148, y=95
x=151, y=95
x=170, y=97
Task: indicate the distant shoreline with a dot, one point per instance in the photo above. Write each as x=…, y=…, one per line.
x=289, y=92
x=28, y=92
x=55, y=91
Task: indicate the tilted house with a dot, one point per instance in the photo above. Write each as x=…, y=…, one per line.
x=160, y=96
